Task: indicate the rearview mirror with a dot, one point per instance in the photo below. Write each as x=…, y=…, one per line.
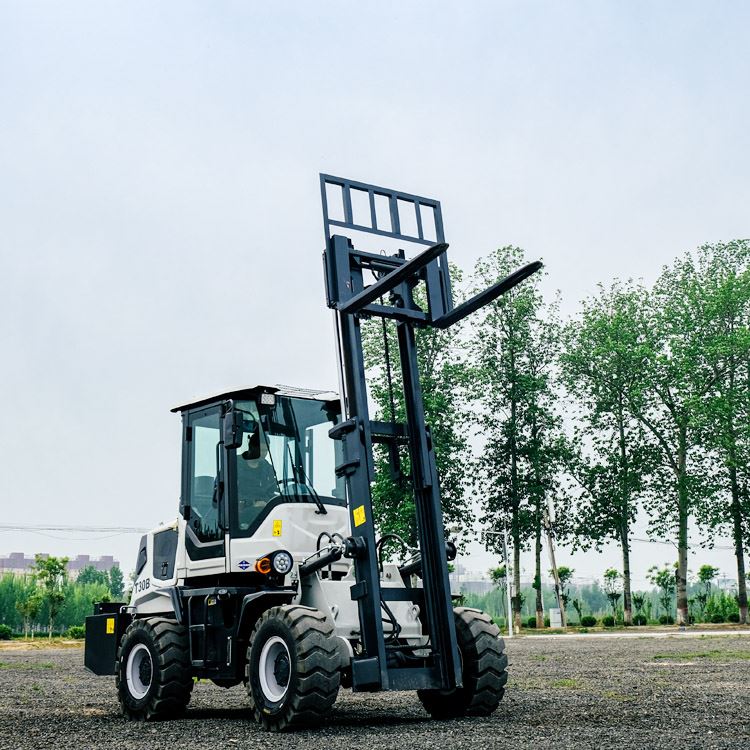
x=233, y=429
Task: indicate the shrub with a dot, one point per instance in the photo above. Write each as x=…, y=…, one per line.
x=531, y=622
x=546, y=622
x=666, y=620
x=733, y=617
x=588, y=621
x=608, y=621
x=76, y=631
x=5, y=633
x=717, y=617
x=640, y=620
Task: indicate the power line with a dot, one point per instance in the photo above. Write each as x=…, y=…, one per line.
x=672, y=544
x=113, y=530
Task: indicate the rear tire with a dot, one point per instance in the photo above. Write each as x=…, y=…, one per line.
x=153, y=673
x=484, y=668
x=292, y=668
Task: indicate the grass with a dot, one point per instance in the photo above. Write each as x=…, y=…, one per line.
x=567, y=682
x=26, y=665
x=714, y=654
x=612, y=695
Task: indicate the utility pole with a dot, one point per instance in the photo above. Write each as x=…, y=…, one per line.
x=549, y=519
x=508, y=575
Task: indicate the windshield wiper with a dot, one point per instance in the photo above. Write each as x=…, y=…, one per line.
x=306, y=483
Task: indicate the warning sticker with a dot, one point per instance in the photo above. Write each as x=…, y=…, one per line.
x=277, y=528
x=359, y=515
x=110, y=625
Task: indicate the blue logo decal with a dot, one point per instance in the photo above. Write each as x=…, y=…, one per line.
x=244, y=564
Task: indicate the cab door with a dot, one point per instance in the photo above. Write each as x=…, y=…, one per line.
x=203, y=497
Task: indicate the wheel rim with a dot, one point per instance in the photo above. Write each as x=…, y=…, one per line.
x=274, y=669
x=139, y=671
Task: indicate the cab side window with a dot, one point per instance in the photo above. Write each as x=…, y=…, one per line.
x=203, y=479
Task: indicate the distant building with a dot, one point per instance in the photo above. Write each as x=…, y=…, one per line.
x=21, y=564
x=465, y=581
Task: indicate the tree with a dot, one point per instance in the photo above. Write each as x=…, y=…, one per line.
x=564, y=575
x=639, y=599
x=52, y=573
x=89, y=574
x=724, y=274
x=706, y=574
x=116, y=583
x=514, y=470
x=28, y=608
x=664, y=579
x=443, y=377
x=499, y=578
x=600, y=368
x=612, y=588
x=578, y=607
x=668, y=401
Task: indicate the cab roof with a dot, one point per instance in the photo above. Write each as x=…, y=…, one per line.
x=252, y=392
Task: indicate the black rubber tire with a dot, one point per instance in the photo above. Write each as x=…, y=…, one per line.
x=484, y=668
x=313, y=668
x=171, y=675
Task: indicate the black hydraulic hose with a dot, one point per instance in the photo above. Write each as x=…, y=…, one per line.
x=321, y=561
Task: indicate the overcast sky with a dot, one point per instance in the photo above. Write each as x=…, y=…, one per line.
x=160, y=231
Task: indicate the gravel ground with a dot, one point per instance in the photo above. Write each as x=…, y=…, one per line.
x=563, y=693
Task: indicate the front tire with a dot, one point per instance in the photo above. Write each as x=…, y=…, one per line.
x=484, y=667
x=153, y=673
x=292, y=668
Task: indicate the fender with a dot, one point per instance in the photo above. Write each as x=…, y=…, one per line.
x=255, y=604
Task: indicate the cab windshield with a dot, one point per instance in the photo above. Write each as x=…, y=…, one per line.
x=285, y=456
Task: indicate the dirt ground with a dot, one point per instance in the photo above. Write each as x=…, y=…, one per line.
x=680, y=691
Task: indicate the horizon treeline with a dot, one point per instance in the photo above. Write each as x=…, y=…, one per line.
x=639, y=402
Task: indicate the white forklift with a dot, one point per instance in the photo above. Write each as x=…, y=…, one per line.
x=273, y=576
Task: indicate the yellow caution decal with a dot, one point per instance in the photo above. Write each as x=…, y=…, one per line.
x=110, y=626
x=359, y=515
x=277, y=527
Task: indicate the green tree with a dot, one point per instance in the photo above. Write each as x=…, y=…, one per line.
x=639, y=599
x=578, y=607
x=499, y=578
x=514, y=470
x=611, y=583
x=52, y=574
x=116, y=583
x=28, y=607
x=669, y=402
x=664, y=579
x=564, y=575
x=600, y=368
x=90, y=574
x=706, y=574
x=724, y=274
x=443, y=373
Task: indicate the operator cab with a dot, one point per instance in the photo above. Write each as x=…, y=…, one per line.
x=246, y=452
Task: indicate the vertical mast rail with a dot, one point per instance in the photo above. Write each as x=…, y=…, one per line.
x=396, y=276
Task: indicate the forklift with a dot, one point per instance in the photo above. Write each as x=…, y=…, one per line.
x=273, y=575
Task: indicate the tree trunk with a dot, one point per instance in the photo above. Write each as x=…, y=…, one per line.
x=683, y=500
x=516, y=600
x=627, y=599
x=738, y=547
x=627, y=606
x=538, y=573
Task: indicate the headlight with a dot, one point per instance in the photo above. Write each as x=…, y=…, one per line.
x=282, y=562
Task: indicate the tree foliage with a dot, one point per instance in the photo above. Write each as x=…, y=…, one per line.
x=443, y=373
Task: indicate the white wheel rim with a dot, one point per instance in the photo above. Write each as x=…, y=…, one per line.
x=139, y=671
x=273, y=674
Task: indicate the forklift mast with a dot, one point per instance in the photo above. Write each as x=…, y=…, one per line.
x=349, y=209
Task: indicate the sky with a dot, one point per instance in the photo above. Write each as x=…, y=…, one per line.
x=160, y=224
